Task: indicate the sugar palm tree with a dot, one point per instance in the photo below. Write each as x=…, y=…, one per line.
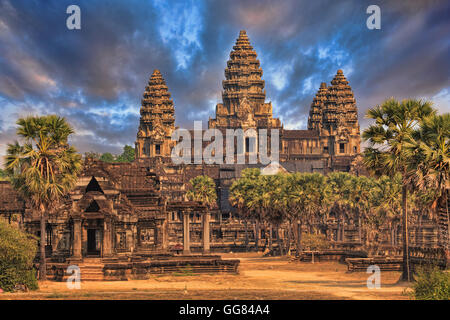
x=44, y=168
x=387, y=153
x=387, y=201
x=430, y=165
x=341, y=188
x=203, y=190
x=360, y=200
x=294, y=201
x=317, y=197
x=242, y=191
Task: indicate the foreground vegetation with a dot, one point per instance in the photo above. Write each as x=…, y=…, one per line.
x=408, y=158
x=431, y=284
x=17, y=251
x=44, y=168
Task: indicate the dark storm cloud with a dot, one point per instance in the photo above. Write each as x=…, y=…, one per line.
x=95, y=76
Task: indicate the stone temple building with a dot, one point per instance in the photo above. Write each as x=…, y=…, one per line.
x=331, y=141
x=123, y=210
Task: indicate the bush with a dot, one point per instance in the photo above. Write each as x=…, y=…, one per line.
x=17, y=251
x=314, y=241
x=431, y=284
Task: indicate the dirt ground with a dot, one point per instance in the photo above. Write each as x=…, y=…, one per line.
x=258, y=278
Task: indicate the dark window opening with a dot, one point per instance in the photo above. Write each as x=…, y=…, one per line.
x=342, y=147
x=158, y=149
x=325, y=149
x=247, y=144
x=93, y=207
x=93, y=186
x=218, y=234
x=355, y=149
x=49, y=235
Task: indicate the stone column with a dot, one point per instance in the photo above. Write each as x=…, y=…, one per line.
x=206, y=240
x=165, y=233
x=186, y=240
x=77, y=238
x=107, y=232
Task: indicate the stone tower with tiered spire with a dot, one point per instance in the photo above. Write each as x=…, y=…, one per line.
x=157, y=120
x=316, y=111
x=340, y=118
x=243, y=93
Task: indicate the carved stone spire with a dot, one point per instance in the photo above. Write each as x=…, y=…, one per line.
x=340, y=106
x=340, y=118
x=243, y=91
x=315, y=113
x=157, y=119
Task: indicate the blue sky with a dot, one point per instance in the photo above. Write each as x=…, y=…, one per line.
x=95, y=76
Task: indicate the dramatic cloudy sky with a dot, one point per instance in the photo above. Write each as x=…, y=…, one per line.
x=95, y=76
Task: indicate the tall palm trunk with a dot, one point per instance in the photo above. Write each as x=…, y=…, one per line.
x=392, y=235
x=406, y=268
x=359, y=229
x=299, y=237
x=246, y=236
x=280, y=243
x=288, y=247
x=338, y=231
x=43, y=241
x=257, y=235
x=270, y=238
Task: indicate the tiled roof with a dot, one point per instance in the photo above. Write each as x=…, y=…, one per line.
x=294, y=134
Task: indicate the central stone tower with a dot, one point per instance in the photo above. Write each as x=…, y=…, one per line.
x=243, y=93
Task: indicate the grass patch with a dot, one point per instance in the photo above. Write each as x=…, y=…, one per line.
x=56, y=295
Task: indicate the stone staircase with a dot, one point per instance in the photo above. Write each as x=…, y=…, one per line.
x=91, y=272
x=91, y=269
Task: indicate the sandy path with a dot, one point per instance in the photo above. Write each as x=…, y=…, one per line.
x=259, y=278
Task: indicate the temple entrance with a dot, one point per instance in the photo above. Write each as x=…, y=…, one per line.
x=93, y=242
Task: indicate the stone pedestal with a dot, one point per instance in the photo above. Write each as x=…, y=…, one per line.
x=77, y=238
x=206, y=236
x=186, y=239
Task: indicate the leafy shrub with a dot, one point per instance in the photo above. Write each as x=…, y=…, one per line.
x=17, y=251
x=431, y=284
x=314, y=241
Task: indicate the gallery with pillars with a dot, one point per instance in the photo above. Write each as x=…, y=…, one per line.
x=119, y=211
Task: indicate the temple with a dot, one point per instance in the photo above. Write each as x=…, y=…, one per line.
x=123, y=211
x=157, y=120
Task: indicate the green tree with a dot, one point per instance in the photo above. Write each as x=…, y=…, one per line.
x=294, y=195
x=388, y=153
x=127, y=155
x=3, y=175
x=92, y=155
x=203, y=190
x=387, y=202
x=44, y=168
x=241, y=193
x=341, y=186
x=107, y=157
x=17, y=251
x=315, y=242
x=360, y=200
x=429, y=167
x=317, y=197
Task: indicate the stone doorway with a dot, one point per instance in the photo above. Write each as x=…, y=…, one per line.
x=93, y=242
